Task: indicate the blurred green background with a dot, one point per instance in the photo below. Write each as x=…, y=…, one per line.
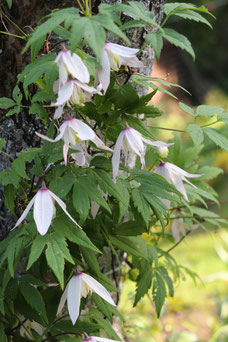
x=199, y=311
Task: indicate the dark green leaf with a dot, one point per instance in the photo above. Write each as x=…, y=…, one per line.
x=129, y=245
x=178, y=40
x=156, y=42
x=143, y=284
x=159, y=293
x=217, y=138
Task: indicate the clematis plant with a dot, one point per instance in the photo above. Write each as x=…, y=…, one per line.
x=131, y=142
x=72, y=131
x=71, y=64
x=44, y=210
x=113, y=56
x=73, y=92
x=176, y=176
x=79, y=286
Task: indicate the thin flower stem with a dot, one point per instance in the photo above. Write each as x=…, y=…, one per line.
x=12, y=34
x=13, y=23
x=209, y=124
x=81, y=7
x=177, y=243
x=142, y=47
x=201, y=217
x=8, y=155
x=168, y=129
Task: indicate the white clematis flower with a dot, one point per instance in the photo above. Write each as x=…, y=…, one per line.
x=71, y=93
x=79, y=286
x=72, y=131
x=175, y=175
x=71, y=64
x=131, y=142
x=44, y=210
x=113, y=56
x=97, y=339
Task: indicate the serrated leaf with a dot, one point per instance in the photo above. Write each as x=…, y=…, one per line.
x=159, y=293
x=14, y=110
x=68, y=229
x=209, y=172
x=165, y=275
x=186, y=108
x=6, y=103
x=19, y=167
x=106, y=184
x=103, y=306
x=55, y=261
x=129, y=228
x=37, y=108
x=9, y=177
x=196, y=134
x=128, y=244
x=139, y=125
x=62, y=185
x=156, y=42
x=178, y=40
x=216, y=137
x=141, y=204
x=192, y=15
x=208, y=111
x=17, y=95
x=9, y=195
x=36, y=249
x=143, y=284
x=91, y=260
x=33, y=298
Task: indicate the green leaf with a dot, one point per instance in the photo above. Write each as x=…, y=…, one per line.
x=159, y=293
x=141, y=204
x=217, y=138
x=19, y=167
x=186, y=108
x=37, y=108
x=139, y=125
x=132, y=24
x=2, y=330
x=2, y=143
x=36, y=249
x=94, y=36
x=192, y=15
x=107, y=327
x=196, y=134
x=106, y=184
x=124, y=97
x=91, y=260
x=143, y=283
x=9, y=3
x=9, y=195
x=129, y=228
x=62, y=185
x=14, y=110
x=165, y=275
x=9, y=177
x=103, y=306
x=68, y=229
x=156, y=42
x=209, y=172
x=178, y=40
x=33, y=298
x=81, y=200
x=17, y=95
x=208, y=111
x=56, y=253
x=129, y=245
x=5, y=102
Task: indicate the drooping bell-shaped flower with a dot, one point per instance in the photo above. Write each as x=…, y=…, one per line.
x=72, y=131
x=71, y=65
x=79, y=286
x=176, y=176
x=113, y=56
x=44, y=210
x=131, y=142
x=73, y=92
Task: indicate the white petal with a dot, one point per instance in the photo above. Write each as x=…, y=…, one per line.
x=62, y=300
x=62, y=130
x=76, y=67
x=135, y=142
x=99, y=143
x=43, y=210
x=181, y=171
x=65, y=150
x=103, y=73
x=63, y=206
x=58, y=112
x=131, y=61
x=120, y=50
x=157, y=143
x=179, y=185
x=25, y=213
x=74, y=297
x=62, y=74
x=83, y=131
x=87, y=88
x=116, y=155
x=64, y=93
x=97, y=288
x=102, y=339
